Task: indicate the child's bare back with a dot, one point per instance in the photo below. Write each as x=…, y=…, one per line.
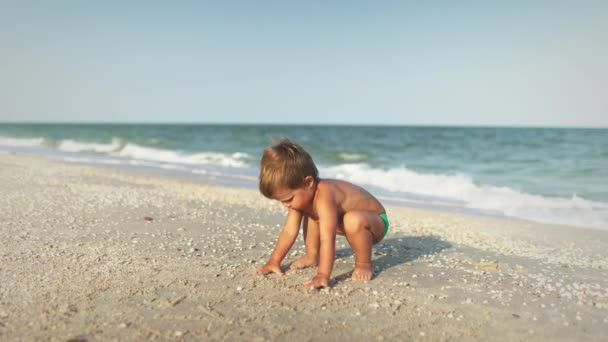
x=350, y=197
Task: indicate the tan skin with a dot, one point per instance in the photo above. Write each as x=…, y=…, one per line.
x=327, y=208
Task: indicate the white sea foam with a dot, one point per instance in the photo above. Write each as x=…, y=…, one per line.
x=70, y=145
x=461, y=188
x=168, y=156
x=85, y=160
x=20, y=142
x=352, y=157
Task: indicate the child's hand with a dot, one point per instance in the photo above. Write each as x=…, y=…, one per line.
x=318, y=282
x=270, y=268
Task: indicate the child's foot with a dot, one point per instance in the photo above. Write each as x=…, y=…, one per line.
x=362, y=272
x=304, y=262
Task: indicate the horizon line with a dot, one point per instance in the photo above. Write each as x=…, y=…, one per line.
x=421, y=125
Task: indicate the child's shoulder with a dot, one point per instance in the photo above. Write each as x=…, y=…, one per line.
x=335, y=186
x=342, y=188
x=335, y=183
x=328, y=184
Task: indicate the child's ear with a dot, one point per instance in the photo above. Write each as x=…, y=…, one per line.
x=309, y=181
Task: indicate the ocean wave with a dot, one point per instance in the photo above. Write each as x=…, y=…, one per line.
x=135, y=151
x=462, y=189
x=21, y=142
x=139, y=155
x=70, y=145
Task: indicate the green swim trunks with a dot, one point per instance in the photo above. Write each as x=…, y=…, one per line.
x=385, y=220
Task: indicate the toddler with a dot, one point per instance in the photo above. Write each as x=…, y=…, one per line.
x=324, y=208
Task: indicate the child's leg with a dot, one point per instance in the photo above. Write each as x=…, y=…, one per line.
x=312, y=242
x=362, y=229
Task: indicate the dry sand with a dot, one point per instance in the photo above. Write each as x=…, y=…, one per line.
x=79, y=262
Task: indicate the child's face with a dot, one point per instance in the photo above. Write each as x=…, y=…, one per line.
x=299, y=198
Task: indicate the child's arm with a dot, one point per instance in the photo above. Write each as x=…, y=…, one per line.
x=328, y=223
x=287, y=237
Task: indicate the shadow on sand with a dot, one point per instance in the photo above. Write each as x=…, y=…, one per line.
x=396, y=251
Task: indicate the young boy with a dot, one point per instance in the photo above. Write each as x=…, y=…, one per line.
x=326, y=207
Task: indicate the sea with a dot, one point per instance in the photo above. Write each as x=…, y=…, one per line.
x=550, y=175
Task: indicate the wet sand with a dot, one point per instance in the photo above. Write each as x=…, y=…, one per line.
x=79, y=262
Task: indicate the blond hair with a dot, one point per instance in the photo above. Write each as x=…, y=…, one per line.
x=285, y=164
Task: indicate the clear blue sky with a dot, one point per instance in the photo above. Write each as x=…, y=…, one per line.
x=523, y=63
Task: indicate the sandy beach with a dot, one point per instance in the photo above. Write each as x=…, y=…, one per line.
x=79, y=262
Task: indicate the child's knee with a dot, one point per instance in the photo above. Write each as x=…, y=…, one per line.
x=354, y=222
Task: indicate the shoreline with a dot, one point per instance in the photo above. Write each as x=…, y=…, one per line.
x=81, y=262
x=246, y=181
